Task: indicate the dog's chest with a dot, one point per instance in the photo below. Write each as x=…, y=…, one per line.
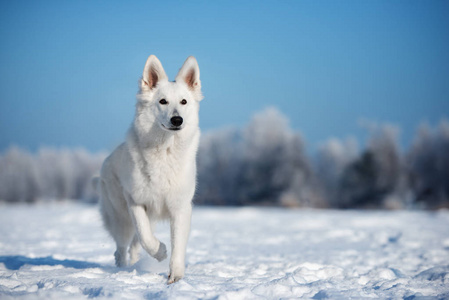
x=162, y=176
x=162, y=170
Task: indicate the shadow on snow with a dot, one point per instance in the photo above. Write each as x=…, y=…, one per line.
x=17, y=261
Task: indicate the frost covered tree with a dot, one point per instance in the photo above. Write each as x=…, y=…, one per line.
x=87, y=165
x=19, y=179
x=57, y=171
x=219, y=164
x=333, y=158
x=274, y=162
x=49, y=174
x=428, y=160
x=263, y=163
x=67, y=173
x=376, y=175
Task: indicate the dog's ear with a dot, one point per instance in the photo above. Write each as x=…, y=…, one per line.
x=152, y=73
x=190, y=74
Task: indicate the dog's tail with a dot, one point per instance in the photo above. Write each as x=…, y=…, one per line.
x=96, y=184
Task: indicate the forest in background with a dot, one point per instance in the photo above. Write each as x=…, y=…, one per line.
x=265, y=163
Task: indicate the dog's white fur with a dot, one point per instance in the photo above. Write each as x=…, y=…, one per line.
x=152, y=176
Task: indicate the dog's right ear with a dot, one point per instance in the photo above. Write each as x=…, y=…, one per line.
x=152, y=73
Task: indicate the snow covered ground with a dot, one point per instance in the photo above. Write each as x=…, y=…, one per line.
x=61, y=251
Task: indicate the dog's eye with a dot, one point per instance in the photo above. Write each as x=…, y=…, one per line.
x=163, y=101
x=184, y=102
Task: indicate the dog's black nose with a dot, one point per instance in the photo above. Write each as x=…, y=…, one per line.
x=176, y=121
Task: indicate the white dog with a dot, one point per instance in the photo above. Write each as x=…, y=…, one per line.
x=152, y=176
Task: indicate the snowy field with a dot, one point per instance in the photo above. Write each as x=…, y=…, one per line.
x=62, y=252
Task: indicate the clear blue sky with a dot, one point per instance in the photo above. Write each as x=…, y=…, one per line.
x=69, y=69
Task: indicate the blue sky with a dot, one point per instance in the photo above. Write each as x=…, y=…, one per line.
x=69, y=69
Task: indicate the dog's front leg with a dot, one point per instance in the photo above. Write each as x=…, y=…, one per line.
x=144, y=231
x=180, y=229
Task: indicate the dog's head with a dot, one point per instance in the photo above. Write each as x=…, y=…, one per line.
x=172, y=105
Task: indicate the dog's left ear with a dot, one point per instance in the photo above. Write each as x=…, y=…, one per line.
x=190, y=74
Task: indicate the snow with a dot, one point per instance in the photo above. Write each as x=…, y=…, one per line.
x=61, y=251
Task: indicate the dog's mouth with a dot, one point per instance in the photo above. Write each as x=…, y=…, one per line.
x=173, y=128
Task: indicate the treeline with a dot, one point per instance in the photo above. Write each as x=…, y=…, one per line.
x=48, y=175
x=266, y=163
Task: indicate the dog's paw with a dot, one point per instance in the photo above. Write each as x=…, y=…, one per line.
x=161, y=253
x=120, y=259
x=176, y=272
x=174, y=278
